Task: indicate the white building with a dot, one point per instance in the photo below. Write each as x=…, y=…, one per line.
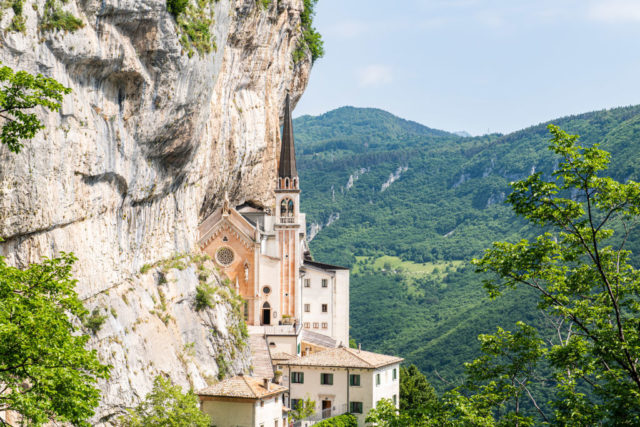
x=244, y=401
x=264, y=253
x=343, y=380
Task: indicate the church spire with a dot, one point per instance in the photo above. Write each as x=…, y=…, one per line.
x=287, y=166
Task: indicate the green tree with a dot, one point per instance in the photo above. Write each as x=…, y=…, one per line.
x=20, y=92
x=385, y=414
x=416, y=394
x=304, y=408
x=582, y=275
x=167, y=405
x=45, y=371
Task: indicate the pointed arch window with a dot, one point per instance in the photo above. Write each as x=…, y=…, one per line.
x=286, y=208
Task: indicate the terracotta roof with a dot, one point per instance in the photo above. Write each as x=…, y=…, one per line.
x=319, y=339
x=345, y=358
x=242, y=386
x=283, y=356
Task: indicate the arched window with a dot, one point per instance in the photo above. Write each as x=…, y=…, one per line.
x=286, y=183
x=294, y=183
x=283, y=207
x=266, y=305
x=290, y=207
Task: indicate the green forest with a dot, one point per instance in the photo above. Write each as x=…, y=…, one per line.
x=414, y=291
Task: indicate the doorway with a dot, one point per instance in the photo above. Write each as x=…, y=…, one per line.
x=326, y=409
x=266, y=314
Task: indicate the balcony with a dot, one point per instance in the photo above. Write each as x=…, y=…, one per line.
x=287, y=220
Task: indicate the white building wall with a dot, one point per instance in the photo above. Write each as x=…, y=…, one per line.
x=269, y=415
x=311, y=388
x=269, y=276
x=283, y=344
x=341, y=307
x=315, y=295
x=388, y=386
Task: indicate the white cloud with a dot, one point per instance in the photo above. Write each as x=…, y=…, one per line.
x=613, y=11
x=374, y=75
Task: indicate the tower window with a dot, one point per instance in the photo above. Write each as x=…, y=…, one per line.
x=266, y=290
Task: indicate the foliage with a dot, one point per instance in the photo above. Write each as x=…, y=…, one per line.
x=441, y=212
x=18, y=22
x=176, y=7
x=416, y=394
x=167, y=405
x=581, y=275
x=204, y=296
x=55, y=18
x=264, y=4
x=385, y=414
x=45, y=371
x=20, y=92
x=304, y=409
x=311, y=40
x=94, y=321
x=344, y=420
x=194, y=22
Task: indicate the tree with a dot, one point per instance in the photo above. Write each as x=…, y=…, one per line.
x=416, y=394
x=19, y=92
x=385, y=414
x=167, y=405
x=303, y=409
x=45, y=371
x=584, y=279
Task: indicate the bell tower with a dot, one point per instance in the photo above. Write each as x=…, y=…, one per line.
x=288, y=217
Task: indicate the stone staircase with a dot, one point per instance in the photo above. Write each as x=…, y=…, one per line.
x=262, y=367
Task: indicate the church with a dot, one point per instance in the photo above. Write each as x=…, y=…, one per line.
x=264, y=253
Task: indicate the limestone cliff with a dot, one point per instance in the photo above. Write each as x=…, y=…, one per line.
x=140, y=152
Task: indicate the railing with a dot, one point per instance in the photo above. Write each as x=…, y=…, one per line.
x=287, y=220
x=283, y=329
x=334, y=411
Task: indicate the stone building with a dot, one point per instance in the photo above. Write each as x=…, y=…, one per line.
x=263, y=251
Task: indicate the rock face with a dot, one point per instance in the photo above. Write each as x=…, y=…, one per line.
x=141, y=151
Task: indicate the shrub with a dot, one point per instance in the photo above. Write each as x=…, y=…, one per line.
x=344, y=420
x=94, y=321
x=204, y=296
x=176, y=7
x=57, y=19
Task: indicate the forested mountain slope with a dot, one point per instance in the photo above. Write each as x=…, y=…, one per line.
x=407, y=207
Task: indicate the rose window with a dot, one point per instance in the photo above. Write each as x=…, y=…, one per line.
x=224, y=256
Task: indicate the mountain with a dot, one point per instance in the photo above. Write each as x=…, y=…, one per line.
x=407, y=207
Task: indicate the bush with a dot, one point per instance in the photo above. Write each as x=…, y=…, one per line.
x=176, y=7
x=204, y=297
x=94, y=321
x=57, y=19
x=344, y=420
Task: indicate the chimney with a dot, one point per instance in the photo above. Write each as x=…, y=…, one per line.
x=266, y=383
x=359, y=346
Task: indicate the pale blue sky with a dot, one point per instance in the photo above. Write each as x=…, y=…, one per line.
x=476, y=65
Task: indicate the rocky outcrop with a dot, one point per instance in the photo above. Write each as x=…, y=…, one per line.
x=142, y=150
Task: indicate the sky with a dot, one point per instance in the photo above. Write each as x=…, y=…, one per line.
x=476, y=65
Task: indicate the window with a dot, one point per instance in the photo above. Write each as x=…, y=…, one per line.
x=297, y=377
x=325, y=283
x=325, y=325
x=307, y=283
x=294, y=403
x=307, y=308
x=355, y=407
x=315, y=325
x=262, y=403
x=325, y=308
x=266, y=290
x=354, y=380
x=377, y=379
x=275, y=423
x=326, y=379
x=394, y=374
x=395, y=400
x=298, y=348
x=307, y=325
x=224, y=256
